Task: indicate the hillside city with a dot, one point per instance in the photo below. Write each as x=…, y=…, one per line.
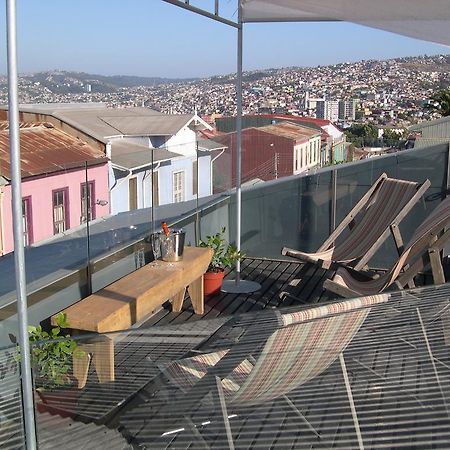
x=387, y=93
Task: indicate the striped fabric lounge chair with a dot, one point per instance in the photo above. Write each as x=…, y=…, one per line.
x=305, y=345
x=428, y=241
x=373, y=218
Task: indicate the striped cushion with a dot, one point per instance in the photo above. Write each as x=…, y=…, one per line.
x=298, y=353
x=308, y=343
x=333, y=308
x=388, y=201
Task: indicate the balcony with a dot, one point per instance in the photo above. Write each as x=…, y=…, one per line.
x=391, y=392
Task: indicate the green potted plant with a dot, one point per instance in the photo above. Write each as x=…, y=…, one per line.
x=224, y=255
x=51, y=360
x=51, y=354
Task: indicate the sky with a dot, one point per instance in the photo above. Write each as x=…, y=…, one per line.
x=154, y=38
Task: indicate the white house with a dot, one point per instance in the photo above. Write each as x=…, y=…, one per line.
x=154, y=157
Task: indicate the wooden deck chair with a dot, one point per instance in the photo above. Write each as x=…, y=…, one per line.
x=373, y=218
x=305, y=345
x=425, y=246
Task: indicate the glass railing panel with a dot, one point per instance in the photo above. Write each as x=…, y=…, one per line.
x=429, y=163
x=292, y=212
x=11, y=413
x=212, y=381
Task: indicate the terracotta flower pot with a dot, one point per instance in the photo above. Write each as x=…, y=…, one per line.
x=212, y=282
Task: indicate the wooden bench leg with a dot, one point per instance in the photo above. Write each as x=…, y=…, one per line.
x=103, y=359
x=195, y=290
x=177, y=301
x=81, y=365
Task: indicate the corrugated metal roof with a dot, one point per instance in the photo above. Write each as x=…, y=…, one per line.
x=152, y=125
x=439, y=128
x=45, y=149
x=290, y=131
x=100, y=122
x=4, y=125
x=132, y=156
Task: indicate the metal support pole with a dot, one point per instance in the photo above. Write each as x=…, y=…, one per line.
x=197, y=211
x=238, y=285
x=333, y=200
x=19, y=255
x=153, y=231
x=88, y=212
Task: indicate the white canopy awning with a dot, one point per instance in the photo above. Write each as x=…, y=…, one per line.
x=422, y=19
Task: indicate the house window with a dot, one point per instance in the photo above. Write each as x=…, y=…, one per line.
x=87, y=201
x=155, y=189
x=27, y=221
x=60, y=211
x=132, y=194
x=194, y=177
x=178, y=187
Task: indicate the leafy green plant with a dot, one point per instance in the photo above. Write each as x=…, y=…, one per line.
x=51, y=354
x=224, y=255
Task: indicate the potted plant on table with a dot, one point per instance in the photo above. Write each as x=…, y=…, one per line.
x=224, y=255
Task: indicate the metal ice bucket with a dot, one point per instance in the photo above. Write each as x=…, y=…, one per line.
x=172, y=246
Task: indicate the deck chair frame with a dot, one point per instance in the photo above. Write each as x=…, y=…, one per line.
x=429, y=253
x=349, y=221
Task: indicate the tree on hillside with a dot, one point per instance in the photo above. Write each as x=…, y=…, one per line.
x=361, y=135
x=440, y=102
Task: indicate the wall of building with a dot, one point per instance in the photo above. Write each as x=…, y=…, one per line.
x=120, y=192
x=258, y=155
x=184, y=142
x=40, y=190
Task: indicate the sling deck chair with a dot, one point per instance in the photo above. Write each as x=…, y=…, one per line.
x=425, y=245
x=303, y=345
x=372, y=219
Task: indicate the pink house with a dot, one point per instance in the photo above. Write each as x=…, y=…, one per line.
x=56, y=194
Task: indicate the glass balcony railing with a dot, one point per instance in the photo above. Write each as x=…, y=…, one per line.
x=297, y=212
x=382, y=377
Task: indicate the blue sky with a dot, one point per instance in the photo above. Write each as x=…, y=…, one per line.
x=153, y=38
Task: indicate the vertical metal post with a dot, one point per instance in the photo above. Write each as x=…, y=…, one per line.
x=153, y=192
x=19, y=255
x=88, y=213
x=239, y=138
x=333, y=200
x=197, y=212
x=448, y=173
x=238, y=285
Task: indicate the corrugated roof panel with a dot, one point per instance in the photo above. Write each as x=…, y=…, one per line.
x=45, y=150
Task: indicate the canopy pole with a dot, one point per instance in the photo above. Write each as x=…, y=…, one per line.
x=19, y=255
x=237, y=285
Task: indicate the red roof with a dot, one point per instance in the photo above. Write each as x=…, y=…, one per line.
x=45, y=149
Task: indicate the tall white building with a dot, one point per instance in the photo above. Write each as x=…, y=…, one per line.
x=347, y=109
x=327, y=109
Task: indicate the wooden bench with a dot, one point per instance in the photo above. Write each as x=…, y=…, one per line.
x=129, y=300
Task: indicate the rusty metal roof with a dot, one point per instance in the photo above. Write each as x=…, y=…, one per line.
x=45, y=149
x=4, y=125
x=290, y=131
